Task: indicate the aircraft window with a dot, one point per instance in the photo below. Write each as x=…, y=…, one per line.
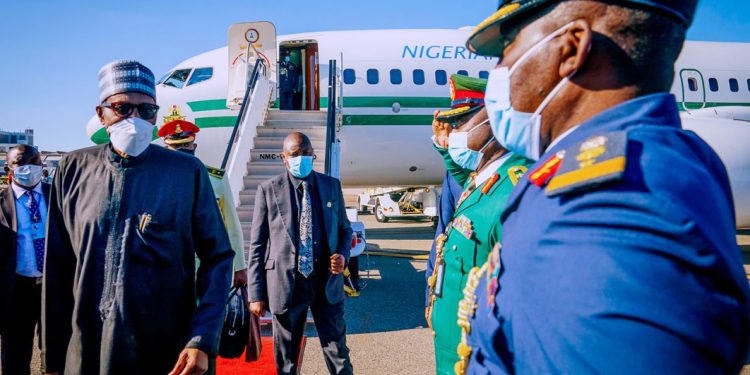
x=692, y=84
x=349, y=76
x=372, y=76
x=163, y=78
x=713, y=84
x=734, y=85
x=418, y=76
x=484, y=74
x=396, y=77
x=441, y=77
x=178, y=78
x=200, y=75
x=463, y=73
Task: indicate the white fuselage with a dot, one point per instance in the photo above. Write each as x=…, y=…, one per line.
x=386, y=125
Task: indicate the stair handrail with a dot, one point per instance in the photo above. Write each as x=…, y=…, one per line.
x=331, y=119
x=258, y=69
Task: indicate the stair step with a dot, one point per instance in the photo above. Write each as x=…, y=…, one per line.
x=247, y=197
x=297, y=115
x=278, y=142
x=294, y=124
x=311, y=132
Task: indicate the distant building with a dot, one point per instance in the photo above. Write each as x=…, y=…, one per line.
x=9, y=139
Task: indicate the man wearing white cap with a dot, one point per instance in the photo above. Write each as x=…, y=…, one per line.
x=120, y=289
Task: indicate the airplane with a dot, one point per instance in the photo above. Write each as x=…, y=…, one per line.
x=393, y=80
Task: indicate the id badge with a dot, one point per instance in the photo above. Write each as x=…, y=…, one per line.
x=38, y=230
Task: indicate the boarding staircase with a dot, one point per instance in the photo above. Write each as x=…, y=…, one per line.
x=265, y=161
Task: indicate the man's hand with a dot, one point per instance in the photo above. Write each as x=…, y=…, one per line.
x=240, y=278
x=337, y=264
x=191, y=362
x=441, y=131
x=258, y=308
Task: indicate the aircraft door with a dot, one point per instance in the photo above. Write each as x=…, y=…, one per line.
x=249, y=42
x=299, y=76
x=693, y=89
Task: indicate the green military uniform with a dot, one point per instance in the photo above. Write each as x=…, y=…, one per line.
x=467, y=243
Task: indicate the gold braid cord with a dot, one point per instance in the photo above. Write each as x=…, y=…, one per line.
x=466, y=309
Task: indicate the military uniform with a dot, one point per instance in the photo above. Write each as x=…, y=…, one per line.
x=619, y=254
x=466, y=242
x=288, y=81
x=177, y=132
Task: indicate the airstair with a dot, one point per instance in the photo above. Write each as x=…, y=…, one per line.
x=265, y=161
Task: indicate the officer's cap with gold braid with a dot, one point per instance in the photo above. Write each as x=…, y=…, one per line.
x=178, y=132
x=490, y=38
x=467, y=97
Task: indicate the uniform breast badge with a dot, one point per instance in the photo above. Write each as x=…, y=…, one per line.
x=466, y=309
x=494, y=267
x=464, y=226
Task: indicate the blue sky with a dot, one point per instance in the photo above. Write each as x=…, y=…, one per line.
x=52, y=50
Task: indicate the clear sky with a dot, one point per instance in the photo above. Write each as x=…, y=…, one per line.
x=52, y=50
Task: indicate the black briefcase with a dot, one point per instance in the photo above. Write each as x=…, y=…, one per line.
x=236, y=330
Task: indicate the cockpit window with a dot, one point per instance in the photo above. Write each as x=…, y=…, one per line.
x=200, y=75
x=178, y=78
x=164, y=77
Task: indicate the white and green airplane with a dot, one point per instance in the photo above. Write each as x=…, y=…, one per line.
x=393, y=80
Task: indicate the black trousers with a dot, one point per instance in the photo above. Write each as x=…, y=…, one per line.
x=289, y=327
x=23, y=320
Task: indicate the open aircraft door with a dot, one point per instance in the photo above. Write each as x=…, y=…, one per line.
x=248, y=42
x=693, y=89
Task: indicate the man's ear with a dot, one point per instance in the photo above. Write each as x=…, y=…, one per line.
x=576, y=45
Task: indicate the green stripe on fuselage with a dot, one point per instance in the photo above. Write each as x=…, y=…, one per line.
x=387, y=120
x=208, y=105
x=216, y=122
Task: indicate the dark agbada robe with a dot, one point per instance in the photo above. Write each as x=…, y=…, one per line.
x=119, y=299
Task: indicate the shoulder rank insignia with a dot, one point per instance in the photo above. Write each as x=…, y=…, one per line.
x=494, y=267
x=597, y=160
x=516, y=173
x=541, y=175
x=215, y=172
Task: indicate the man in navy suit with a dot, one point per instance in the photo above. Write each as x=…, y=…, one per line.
x=23, y=214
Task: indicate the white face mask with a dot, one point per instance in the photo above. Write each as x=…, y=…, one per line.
x=517, y=131
x=131, y=135
x=27, y=175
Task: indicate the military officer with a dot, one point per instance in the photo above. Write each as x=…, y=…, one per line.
x=488, y=173
x=465, y=102
x=179, y=135
x=619, y=252
x=288, y=81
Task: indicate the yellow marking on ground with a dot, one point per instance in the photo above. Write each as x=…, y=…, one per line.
x=395, y=254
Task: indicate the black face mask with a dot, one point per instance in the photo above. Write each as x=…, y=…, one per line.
x=187, y=151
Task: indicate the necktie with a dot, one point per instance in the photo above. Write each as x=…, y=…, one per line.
x=36, y=219
x=305, y=234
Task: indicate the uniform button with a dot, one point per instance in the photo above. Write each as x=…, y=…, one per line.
x=455, y=247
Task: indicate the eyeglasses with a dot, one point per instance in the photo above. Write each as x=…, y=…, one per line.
x=145, y=110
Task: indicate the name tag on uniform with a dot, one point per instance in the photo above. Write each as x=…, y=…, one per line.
x=37, y=230
x=464, y=226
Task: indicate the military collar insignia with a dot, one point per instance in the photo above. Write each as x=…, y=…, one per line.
x=599, y=159
x=516, y=173
x=541, y=175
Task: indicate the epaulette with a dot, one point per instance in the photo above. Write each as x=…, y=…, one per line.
x=599, y=159
x=216, y=172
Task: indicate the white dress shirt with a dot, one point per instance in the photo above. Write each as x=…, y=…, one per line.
x=25, y=256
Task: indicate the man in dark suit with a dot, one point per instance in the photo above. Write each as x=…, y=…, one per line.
x=23, y=214
x=300, y=244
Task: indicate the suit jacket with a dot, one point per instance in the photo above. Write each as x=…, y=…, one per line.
x=9, y=248
x=272, y=266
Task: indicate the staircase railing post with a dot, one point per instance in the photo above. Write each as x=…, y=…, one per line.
x=331, y=120
x=248, y=91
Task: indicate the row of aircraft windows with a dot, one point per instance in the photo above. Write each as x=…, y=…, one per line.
x=713, y=84
x=179, y=77
x=396, y=76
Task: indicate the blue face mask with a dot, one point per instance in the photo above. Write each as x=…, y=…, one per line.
x=517, y=131
x=458, y=148
x=300, y=166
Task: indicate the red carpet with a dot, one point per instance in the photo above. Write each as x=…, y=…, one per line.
x=263, y=366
